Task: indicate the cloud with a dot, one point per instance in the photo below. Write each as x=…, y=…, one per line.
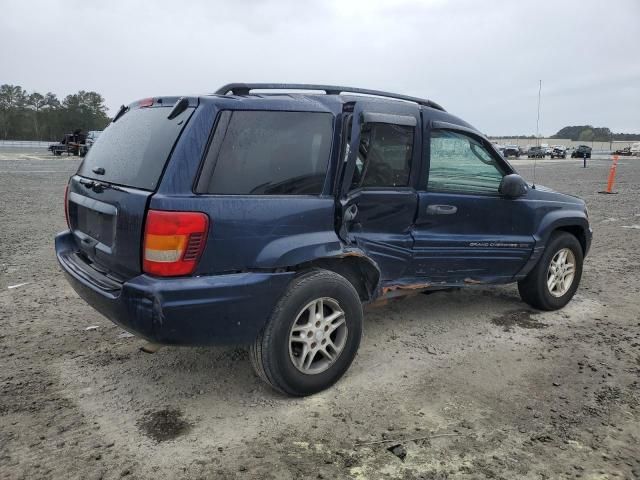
x=480, y=60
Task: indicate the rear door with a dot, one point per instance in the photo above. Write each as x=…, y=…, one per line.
x=378, y=200
x=108, y=196
x=465, y=230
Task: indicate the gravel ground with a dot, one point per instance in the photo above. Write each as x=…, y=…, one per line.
x=461, y=384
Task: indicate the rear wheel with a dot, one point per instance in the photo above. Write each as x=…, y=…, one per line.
x=555, y=279
x=312, y=336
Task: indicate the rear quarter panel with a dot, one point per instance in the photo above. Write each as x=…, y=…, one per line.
x=248, y=231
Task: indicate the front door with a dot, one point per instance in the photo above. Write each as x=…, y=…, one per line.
x=465, y=231
x=378, y=201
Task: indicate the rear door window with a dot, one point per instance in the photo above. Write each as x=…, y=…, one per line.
x=134, y=150
x=384, y=156
x=271, y=153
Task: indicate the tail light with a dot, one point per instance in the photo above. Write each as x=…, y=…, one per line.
x=173, y=242
x=146, y=102
x=66, y=205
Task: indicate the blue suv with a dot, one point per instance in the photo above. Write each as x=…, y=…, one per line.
x=268, y=214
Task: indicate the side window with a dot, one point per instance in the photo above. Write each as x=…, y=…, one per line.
x=384, y=156
x=271, y=153
x=460, y=163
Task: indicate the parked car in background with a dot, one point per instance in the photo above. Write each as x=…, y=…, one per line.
x=547, y=151
x=558, y=151
x=499, y=148
x=511, y=151
x=635, y=149
x=535, y=152
x=581, y=152
x=624, y=152
x=71, y=144
x=270, y=219
x=92, y=136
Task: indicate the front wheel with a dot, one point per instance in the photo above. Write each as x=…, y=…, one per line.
x=555, y=279
x=312, y=336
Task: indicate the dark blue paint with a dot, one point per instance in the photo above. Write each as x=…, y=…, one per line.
x=256, y=243
x=470, y=244
x=123, y=258
x=184, y=311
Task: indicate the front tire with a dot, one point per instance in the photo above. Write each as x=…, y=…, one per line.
x=555, y=279
x=312, y=336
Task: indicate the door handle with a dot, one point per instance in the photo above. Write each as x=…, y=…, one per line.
x=441, y=209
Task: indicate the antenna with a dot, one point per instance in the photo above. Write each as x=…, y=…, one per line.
x=535, y=159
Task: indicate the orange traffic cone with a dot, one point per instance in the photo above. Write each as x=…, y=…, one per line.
x=612, y=176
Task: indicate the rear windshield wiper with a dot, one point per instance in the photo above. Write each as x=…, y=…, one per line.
x=99, y=187
x=123, y=109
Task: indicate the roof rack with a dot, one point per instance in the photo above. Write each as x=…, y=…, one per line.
x=245, y=89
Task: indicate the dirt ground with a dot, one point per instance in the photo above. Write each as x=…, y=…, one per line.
x=462, y=384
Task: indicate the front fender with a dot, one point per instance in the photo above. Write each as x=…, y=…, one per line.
x=550, y=222
x=560, y=218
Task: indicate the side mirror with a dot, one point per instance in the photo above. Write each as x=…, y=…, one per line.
x=513, y=186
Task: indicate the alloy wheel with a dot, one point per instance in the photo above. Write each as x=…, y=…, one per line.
x=318, y=336
x=561, y=272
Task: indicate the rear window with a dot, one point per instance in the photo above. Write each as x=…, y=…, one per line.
x=271, y=153
x=133, y=150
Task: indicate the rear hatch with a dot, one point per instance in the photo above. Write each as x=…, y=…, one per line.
x=108, y=197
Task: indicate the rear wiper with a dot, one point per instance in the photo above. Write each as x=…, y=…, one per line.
x=99, y=187
x=123, y=109
x=181, y=105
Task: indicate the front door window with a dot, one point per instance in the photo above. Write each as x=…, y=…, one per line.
x=460, y=163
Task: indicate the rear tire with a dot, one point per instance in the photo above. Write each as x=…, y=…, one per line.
x=312, y=336
x=554, y=280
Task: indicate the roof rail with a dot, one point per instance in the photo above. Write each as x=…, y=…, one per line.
x=245, y=89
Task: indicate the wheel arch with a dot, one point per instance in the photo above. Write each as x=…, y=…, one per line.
x=355, y=266
x=577, y=231
x=574, y=222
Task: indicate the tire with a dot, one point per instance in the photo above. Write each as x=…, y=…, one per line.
x=534, y=288
x=277, y=347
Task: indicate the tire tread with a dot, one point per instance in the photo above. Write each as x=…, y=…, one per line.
x=258, y=351
x=532, y=288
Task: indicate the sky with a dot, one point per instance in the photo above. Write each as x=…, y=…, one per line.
x=481, y=60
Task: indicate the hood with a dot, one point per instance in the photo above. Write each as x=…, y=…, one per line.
x=540, y=192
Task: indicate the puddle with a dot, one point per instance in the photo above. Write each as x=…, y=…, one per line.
x=518, y=318
x=163, y=425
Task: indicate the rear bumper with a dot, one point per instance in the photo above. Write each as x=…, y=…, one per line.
x=216, y=309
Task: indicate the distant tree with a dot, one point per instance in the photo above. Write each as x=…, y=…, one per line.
x=29, y=116
x=51, y=100
x=12, y=106
x=588, y=133
x=35, y=102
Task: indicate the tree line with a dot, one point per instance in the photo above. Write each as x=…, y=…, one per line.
x=34, y=116
x=582, y=133
x=588, y=133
